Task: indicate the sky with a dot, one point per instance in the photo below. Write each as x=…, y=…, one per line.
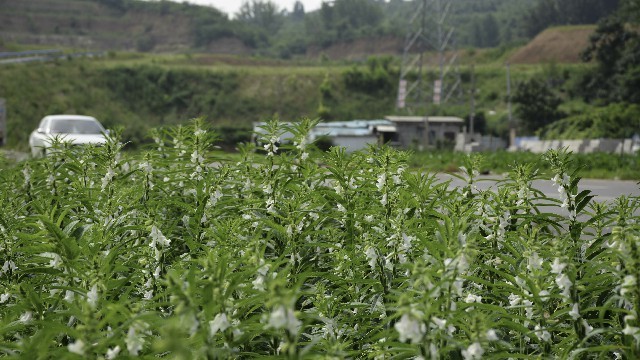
x=232, y=6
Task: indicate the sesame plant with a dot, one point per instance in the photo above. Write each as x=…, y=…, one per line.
x=296, y=253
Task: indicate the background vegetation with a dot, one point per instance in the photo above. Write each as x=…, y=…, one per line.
x=142, y=90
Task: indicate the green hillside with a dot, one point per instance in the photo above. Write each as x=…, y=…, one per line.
x=262, y=28
x=140, y=91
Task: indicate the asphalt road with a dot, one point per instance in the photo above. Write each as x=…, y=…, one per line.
x=604, y=190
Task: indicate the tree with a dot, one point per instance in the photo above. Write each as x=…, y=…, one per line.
x=537, y=105
x=264, y=15
x=616, y=50
x=298, y=11
x=490, y=31
x=567, y=12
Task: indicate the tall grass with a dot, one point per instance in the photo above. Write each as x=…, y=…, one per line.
x=177, y=253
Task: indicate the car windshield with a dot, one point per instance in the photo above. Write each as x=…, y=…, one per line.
x=69, y=126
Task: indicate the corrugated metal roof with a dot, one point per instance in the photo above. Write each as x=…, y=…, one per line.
x=386, y=128
x=339, y=128
x=432, y=119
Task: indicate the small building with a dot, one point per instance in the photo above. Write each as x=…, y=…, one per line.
x=352, y=135
x=421, y=132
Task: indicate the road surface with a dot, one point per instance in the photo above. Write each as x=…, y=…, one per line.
x=604, y=190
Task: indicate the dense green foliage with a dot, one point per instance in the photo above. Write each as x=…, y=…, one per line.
x=138, y=97
x=538, y=105
x=615, y=48
x=617, y=121
x=497, y=163
x=174, y=253
x=271, y=30
x=547, y=13
x=611, y=85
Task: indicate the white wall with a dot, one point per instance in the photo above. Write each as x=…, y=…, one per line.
x=354, y=143
x=626, y=146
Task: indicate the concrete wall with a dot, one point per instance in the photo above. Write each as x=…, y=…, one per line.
x=410, y=135
x=480, y=143
x=627, y=146
x=354, y=143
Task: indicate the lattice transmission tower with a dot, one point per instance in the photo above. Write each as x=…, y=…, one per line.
x=429, y=72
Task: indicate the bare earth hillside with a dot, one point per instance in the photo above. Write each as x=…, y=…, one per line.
x=91, y=25
x=560, y=45
x=361, y=48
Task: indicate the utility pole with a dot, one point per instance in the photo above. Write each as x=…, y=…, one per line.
x=428, y=30
x=472, y=116
x=3, y=122
x=512, y=127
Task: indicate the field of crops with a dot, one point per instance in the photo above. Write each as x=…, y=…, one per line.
x=176, y=254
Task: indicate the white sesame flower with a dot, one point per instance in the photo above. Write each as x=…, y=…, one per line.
x=473, y=352
x=4, y=297
x=134, y=341
x=157, y=238
x=148, y=295
x=196, y=157
x=543, y=335
x=492, y=335
x=409, y=328
x=55, y=259
x=76, y=347
x=107, y=178
x=9, y=265
x=27, y=175
x=544, y=295
x=471, y=298
x=341, y=208
x=535, y=262
x=112, y=353
x=557, y=266
x=26, y=317
x=440, y=323
x=575, y=311
x=372, y=256
x=564, y=283
x=69, y=295
x=219, y=323
x=92, y=296
x=514, y=299
x=382, y=180
x=258, y=283
x=284, y=318
x=588, y=329
x=628, y=285
x=528, y=308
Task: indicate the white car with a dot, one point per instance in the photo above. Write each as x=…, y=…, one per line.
x=75, y=129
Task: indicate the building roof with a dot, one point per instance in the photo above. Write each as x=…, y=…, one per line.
x=432, y=119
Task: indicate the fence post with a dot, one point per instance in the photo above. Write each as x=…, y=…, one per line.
x=3, y=122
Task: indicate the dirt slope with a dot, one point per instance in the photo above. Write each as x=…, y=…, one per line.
x=92, y=25
x=560, y=45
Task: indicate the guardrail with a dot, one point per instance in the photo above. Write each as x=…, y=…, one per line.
x=19, y=54
x=42, y=55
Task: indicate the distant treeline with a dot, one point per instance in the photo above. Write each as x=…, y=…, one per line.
x=273, y=31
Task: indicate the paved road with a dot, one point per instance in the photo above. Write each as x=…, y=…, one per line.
x=604, y=190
